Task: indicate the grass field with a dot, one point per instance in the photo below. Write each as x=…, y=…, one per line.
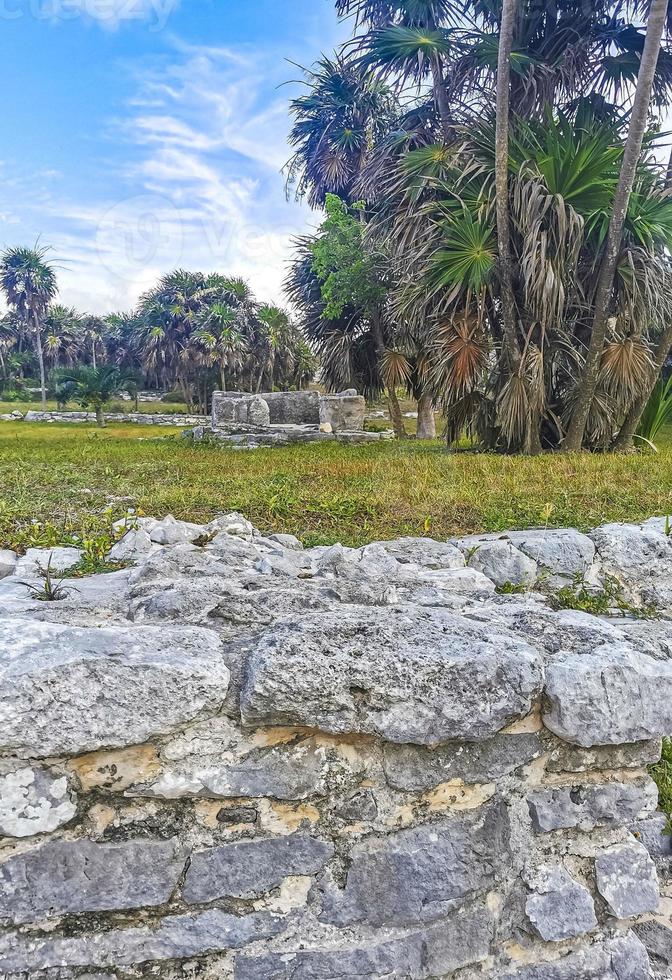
x=76, y=477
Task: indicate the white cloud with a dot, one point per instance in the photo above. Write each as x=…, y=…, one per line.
x=193, y=181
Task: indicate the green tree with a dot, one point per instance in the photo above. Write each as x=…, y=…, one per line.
x=92, y=387
x=29, y=284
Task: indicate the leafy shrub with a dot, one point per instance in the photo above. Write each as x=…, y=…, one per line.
x=174, y=398
x=658, y=411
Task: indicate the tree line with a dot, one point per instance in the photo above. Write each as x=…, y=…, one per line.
x=191, y=333
x=499, y=224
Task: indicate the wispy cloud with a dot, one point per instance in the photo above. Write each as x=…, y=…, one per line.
x=193, y=180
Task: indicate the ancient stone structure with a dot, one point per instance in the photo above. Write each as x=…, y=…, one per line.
x=237, y=759
x=134, y=418
x=281, y=417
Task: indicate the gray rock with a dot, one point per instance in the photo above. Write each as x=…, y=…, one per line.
x=459, y=941
x=258, y=413
x=62, y=877
x=410, y=675
x=609, y=805
x=8, y=562
x=622, y=958
x=343, y=412
x=564, y=553
x=65, y=690
x=283, y=772
x=33, y=800
x=176, y=936
x=287, y=541
x=657, y=937
x=248, y=869
x=133, y=545
x=500, y=561
x=424, y=552
x=654, y=834
x=395, y=958
x=171, y=532
x=35, y=559
x=422, y=873
x=640, y=557
x=233, y=524
x=627, y=880
x=570, y=758
x=610, y=696
x=293, y=407
x=415, y=768
x=560, y=907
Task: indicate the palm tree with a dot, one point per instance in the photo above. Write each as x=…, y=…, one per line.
x=63, y=340
x=29, y=284
x=344, y=110
x=638, y=121
x=92, y=386
x=218, y=334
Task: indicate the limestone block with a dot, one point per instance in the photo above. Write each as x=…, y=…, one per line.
x=627, y=880
x=63, y=877
x=608, y=805
x=422, y=873
x=66, y=690
x=176, y=936
x=608, y=696
x=409, y=675
x=34, y=800
x=248, y=869
x=560, y=907
x=344, y=412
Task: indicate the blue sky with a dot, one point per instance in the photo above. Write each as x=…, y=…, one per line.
x=142, y=135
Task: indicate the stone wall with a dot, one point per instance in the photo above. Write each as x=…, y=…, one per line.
x=136, y=418
x=240, y=759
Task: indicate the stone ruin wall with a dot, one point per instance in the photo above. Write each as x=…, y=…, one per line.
x=242, y=759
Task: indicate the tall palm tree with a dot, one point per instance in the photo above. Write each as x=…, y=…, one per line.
x=63, y=335
x=638, y=121
x=29, y=284
x=217, y=332
x=344, y=110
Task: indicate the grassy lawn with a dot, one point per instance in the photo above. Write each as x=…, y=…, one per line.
x=76, y=477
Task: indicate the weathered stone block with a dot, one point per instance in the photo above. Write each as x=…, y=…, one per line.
x=66, y=690
x=33, y=800
x=343, y=412
x=653, y=834
x=293, y=407
x=571, y=758
x=425, y=552
x=409, y=675
x=396, y=958
x=63, y=877
x=609, y=805
x=499, y=561
x=622, y=958
x=248, y=869
x=564, y=553
x=415, y=768
x=657, y=937
x=176, y=937
x=627, y=880
x=560, y=907
x=231, y=408
x=423, y=873
x=608, y=697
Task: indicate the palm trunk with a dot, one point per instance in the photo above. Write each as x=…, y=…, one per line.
x=40, y=360
x=100, y=418
x=441, y=96
x=623, y=442
x=392, y=401
x=93, y=356
x=605, y=284
x=511, y=348
x=222, y=375
x=426, y=420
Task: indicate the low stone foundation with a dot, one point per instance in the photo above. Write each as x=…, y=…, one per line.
x=134, y=418
x=241, y=759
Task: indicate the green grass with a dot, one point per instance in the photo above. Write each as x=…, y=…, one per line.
x=662, y=773
x=77, y=477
